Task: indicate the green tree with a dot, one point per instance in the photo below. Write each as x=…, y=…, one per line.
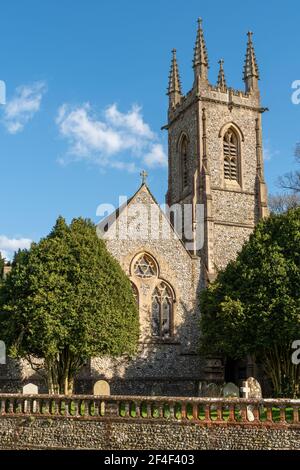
x=1, y=267
x=65, y=300
x=253, y=307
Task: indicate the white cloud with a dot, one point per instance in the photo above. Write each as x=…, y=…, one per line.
x=156, y=156
x=133, y=120
x=23, y=106
x=9, y=245
x=118, y=140
x=268, y=152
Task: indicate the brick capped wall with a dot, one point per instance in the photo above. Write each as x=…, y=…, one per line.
x=129, y=423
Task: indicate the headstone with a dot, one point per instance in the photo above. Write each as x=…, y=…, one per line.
x=2, y=353
x=30, y=389
x=251, y=389
x=231, y=390
x=210, y=390
x=101, y=387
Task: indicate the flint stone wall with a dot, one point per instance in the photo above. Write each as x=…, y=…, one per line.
x=68, y=433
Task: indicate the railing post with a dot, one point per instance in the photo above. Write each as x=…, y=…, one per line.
x=183, y=410
x=282, y=413
x=243, y=410
x=67, y=408
x=37, y=405
x=149, y=410
x=2, y=406
x=207, y=412
x=126, y=408
x=10, y=406
x=219, y=411
x=97, y=407
x=171, y=410
x=137, y=409
x=295, y=414
x=195, y=412
x=256, y=412
x=269, y=413
x=160, y=410
x=231, y=416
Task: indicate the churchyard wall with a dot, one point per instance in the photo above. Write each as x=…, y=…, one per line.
x=127, y=423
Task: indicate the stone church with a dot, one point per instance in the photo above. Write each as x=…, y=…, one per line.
x=215, y=162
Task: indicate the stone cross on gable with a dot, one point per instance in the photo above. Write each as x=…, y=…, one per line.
x=144, y=175
x=245, y=389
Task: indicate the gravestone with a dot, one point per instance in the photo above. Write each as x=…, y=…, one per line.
x=30, y=389
x=101, y=387
x=212, y=390
x=251, y=389
x=231, y=390
x=2, y=353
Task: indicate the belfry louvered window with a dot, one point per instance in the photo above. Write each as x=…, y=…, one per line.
x=184, y=161
x=231, y=156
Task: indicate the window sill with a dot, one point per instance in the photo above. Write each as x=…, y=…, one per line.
x=162, y=341
x=232, y=184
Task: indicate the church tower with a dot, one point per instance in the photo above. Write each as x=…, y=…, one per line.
x=215, y=155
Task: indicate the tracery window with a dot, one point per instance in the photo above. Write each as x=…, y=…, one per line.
x=231, y=155
x=145, y=267
x=162, y=311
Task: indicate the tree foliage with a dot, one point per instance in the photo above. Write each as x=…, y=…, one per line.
x=66, y=300
x=253, y=307
x=1, y=266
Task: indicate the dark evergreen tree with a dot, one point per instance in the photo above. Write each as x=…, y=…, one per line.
x=253, y=307
x=66, y=300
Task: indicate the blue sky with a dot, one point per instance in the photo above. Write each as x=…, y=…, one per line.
x=86, y=84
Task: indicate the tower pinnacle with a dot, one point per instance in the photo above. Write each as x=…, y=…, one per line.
x=174, y=88
x=200, y=62
x=221, y=82
x=251, y=73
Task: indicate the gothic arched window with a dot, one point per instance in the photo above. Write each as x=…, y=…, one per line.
x=145, y=266
x=231, y=155
x=184, y=161
x=162, y=311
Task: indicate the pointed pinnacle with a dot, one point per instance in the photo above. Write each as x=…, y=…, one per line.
x=174, y=79
x=250, y=67
x=200, y=51
x=221, y=82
